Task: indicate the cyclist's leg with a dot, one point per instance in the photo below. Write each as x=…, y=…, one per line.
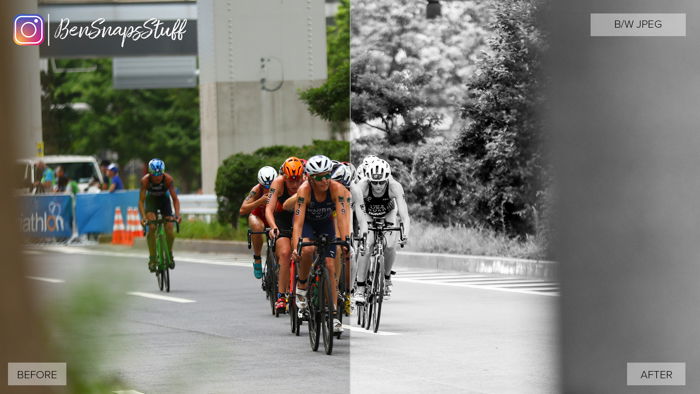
x=256, y=224
x=392, y=239
x=167, y=212
x=336, y=263
x=284, y=252
x=283, y=248
x=305, y=265
x=151, y=236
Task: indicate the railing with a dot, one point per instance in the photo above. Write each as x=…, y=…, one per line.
x=198, y=205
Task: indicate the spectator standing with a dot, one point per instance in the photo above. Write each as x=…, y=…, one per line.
x=47, y=178
x=115, y=182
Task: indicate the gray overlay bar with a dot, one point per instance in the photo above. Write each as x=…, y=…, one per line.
x=637, y=25
x=656, y=374
x=36, y=374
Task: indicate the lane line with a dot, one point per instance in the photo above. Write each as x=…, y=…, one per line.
x=524, y=285
x=492, y=280
x=360, y=329
x=127, y=392
x=49, y=280
x=160, y=297
x=74, y=250
x=482, y=287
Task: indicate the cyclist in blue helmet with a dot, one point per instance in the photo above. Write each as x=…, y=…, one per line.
x=155, y=187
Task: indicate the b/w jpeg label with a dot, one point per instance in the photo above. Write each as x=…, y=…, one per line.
x=638, y=25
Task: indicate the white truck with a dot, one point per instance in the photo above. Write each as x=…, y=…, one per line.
x=82, y=169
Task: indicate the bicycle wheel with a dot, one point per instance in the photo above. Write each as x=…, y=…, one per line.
x=292, y=305
x=314, y=313
x=270, y=282
x=326, y=303
x=166, y=275
x=159, y=280
x=378, y=298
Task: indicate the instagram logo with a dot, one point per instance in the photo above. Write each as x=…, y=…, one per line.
x=29, y=29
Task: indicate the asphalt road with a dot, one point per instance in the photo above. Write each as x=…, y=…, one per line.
x=440, y=332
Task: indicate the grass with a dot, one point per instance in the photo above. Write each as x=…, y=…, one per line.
x=425, y=237
x=214, y=230
x=431, y=238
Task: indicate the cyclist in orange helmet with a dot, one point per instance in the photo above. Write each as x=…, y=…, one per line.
x=283, y=187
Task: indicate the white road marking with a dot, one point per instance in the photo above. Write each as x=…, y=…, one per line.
x=127, y=392
x=360, y=329
x=473, y=286
x=476, y=281
x=76, y=250
x=160, y=297
x=49, y=280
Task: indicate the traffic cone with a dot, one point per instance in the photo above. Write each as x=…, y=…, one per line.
x=118, y=227
x=128, y=234
x=138, y=230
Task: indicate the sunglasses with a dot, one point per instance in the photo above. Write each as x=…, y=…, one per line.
x=377, y=183
x=319, y=178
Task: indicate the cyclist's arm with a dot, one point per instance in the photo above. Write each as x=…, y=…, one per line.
x=300, y=213
x=290, y=203
x=397, y=191
x=142, y=199
x=272, y=197
x=357, y=196
x=252, y=201
x=338, y=194
x=173, y=195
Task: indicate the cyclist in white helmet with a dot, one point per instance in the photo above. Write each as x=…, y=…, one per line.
x=379, y=195
x=254, y=206
x=320, y=202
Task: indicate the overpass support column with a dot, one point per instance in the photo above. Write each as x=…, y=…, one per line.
x=253, y=58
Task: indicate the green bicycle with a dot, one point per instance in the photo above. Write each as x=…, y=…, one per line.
x=163, y=256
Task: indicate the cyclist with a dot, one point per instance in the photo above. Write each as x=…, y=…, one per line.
x=380, y=196
x=318, y=201
x=155, y=187
x=343, y=175
x=280, y=222
x=254, y=206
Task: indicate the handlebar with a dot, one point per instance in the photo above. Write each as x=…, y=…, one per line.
x=162, y=221
x=251, y=232
x=323, y=242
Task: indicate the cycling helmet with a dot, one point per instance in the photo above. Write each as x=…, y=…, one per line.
x=318, y=164
x=156, y=167
x=342, y=175
x=379, y=171
x=266, y=175
x=293, y=167
x=336, y=164
x=351, y=168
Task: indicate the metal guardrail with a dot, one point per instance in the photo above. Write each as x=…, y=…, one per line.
x=198, y=204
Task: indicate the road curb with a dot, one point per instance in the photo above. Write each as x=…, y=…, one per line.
x=203, y=245
x=478, y=264
x=438, y=261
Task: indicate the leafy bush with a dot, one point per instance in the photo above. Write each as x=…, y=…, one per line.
x=238, y=173
x=503, y=139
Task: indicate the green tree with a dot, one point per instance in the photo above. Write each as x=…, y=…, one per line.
x=503, y=140
x=331, y=101
x=137, y=124
x=238, y=173
x=391, y=104
x=399, y=37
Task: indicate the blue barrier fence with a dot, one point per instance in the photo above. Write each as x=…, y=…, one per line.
x=94, y=213
x=47, y=216
x=52, y=215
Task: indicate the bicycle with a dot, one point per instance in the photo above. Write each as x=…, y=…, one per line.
x=163, y=257
x=319, y=295
x=369, y=313
x=270, y=269
x=294, y=319
x=343, y=296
